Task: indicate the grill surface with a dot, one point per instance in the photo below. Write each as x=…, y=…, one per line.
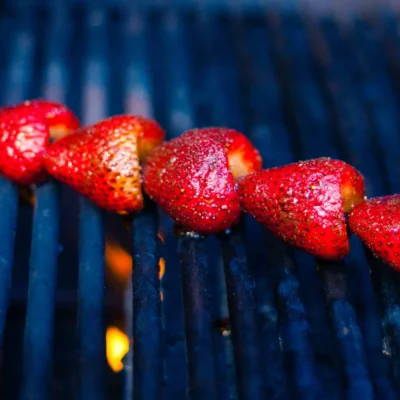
x=243, y=315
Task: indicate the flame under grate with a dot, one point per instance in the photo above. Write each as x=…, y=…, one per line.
x=240, y=315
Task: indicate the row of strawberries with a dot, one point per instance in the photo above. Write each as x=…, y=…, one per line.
x=202, y=179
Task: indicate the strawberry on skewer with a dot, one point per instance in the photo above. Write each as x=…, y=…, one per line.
x=25, y=132
x=192, y=177
x=377, y=223
x=102, y=161
x=304, y=203
x=60, y=119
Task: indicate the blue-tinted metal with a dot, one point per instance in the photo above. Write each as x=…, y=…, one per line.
x=91, y=303
x=387, y=287
x=354, y=136
x=17, y=79
x=355, y=139
x=198, y=318
x=268, y=131
x=310, y=120
x=370, y=71
x=218, y=73
x=38, y=339
x=241, y=304
x=347, y=331
x=385, y=279
x=176, y=68
x=8, y=216
x=296, y=56
x=39, y=325
x=213, y=111
x=91, y=227
x=138, y=101
x=174, y=108
x=376, y=95
x=197, y=286
x=147, y=348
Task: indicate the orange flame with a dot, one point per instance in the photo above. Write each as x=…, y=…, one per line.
x=117, y=346
x=161, y=237
x=119, y=262
x=161, y=273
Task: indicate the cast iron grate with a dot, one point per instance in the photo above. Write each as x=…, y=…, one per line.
x=242, y=316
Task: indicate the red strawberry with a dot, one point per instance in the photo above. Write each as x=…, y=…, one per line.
x=304, y=203
x=102, y=161
x=377, y=223
x=25, y=132
x=60, y=118
x=192, y=177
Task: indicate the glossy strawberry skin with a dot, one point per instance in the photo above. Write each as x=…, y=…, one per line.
x=26, y=130
x=24, y=134
x=189, y=177
x=102, y=162
x=302, y=203
x=377, y=223
x=60, y=118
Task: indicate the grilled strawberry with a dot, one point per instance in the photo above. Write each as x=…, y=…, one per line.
x=304, y=203
x=377, y=223
x=60, y=118
x=102, y=161
x=192, y=177
x=25, y=132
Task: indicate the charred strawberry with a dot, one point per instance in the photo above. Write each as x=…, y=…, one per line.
x=192, y=177
x=377, y=223
x=25, y=132
x=305, y=203
x=102, y=161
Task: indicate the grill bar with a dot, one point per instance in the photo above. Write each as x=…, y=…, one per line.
x=91, y=300
x=385, y=280
x=41, y=297
x=240, y=286
x=341, y=312
x=8, y=213
x=91, y=225
x=17, y=80
x=294, y=327
x=386, y=285
x=198, y=318
x=179, y=117
x=346, y=329
x=381, y=105
x=38, y=339
x=238, y=280
x=355, y=136
x=147, y=348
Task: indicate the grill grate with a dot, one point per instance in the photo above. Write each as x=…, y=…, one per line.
x=250, y=317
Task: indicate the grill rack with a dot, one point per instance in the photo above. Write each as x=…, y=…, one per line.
x=282, y=344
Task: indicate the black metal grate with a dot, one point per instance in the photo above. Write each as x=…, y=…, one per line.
x=243, y=315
